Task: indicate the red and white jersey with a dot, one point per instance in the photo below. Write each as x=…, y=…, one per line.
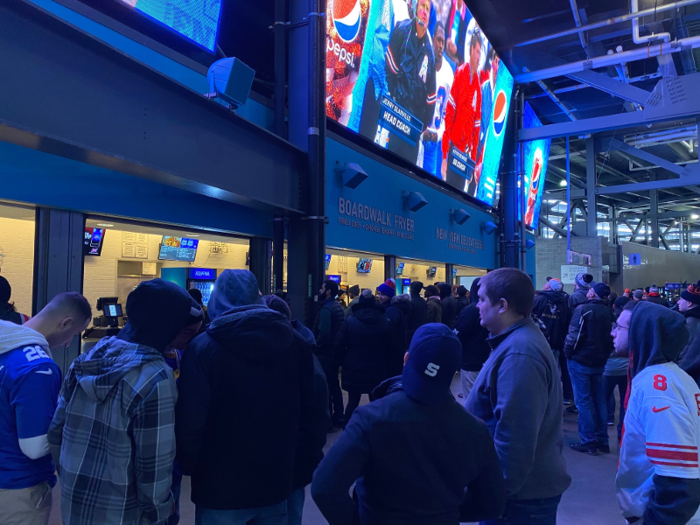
x=662, y=435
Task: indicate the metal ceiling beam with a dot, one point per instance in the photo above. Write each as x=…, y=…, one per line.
x=644, y=155
x=583, y=127
x=610, y=21
x=611, y=86
x=641, y=53
x=646, y=186
x=556, y=100
x=555, y=228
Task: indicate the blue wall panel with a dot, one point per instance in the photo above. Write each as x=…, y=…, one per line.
x=48, y=180
x=373, y=217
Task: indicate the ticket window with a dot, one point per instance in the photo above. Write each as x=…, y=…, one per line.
x=119, y=256
x=17, y=233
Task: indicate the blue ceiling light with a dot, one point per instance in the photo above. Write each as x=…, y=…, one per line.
x=414, y=200
x=488, y=227
x=351, y=175
x=460, y=216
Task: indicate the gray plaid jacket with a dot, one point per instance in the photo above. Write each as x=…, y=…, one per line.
x=113, y=436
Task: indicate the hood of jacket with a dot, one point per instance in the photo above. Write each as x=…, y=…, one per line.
x=555, y=297
x=233, y=288
x=387, y=387
x=13, y=336
x=370, y=314
x=657, y=335
x=99, y=371
x=445, y=290
x=157, y=312
x=693, y=313
x=403, y=306
x=254, y=332
x=474, y=291
x=304, y=332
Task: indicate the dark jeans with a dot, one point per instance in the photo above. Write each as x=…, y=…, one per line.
x=565, y=377
x=591, y=403
x=335, y=402
x=354, y=398
x=529, y=512
x=609, y=384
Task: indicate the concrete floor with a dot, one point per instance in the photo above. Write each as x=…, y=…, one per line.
x=589, y=501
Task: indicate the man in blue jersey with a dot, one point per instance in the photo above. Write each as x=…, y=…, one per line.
x=29, y=384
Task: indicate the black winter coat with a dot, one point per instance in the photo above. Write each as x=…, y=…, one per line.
x=589, y=340
x=450, y=309
x=399, y=314
x=326, y=342
x=577, y=298
x=364, y=347
x=475, y=348
x=434, y=310
x=462, y=303
x=552, y=308
x=239, y=409
x=419, y=315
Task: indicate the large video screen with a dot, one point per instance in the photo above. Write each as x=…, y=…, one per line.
x=420, y=79
x=197, y=20
x=536, y=155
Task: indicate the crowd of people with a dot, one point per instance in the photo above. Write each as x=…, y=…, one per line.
x=241, y=397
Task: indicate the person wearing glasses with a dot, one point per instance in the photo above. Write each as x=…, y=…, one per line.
x=615, y=376
x=658, y=480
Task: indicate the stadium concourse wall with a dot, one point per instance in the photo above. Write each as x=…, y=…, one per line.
x=658, y=266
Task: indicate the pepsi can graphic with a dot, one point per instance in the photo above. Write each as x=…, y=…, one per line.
x=535, y=173
x=346, y=27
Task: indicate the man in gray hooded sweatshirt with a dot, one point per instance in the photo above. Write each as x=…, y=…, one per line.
x=113, y=434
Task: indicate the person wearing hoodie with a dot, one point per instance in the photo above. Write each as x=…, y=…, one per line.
x=587, y=347
x=689, y=306
x=239, y=409
x=658, y=481
x=582, y=284
x=432, y=299
x=30, y=381
x=8, y=312
x=354, y=295
x=450, y=306
x=518, y=395
x=472, y=336
x=314, y=418
x=419, y=309
x=328, y=321
x=414, y=432
x=113, y=433
x=398, y=314
x=365, y=345
x=462, y=299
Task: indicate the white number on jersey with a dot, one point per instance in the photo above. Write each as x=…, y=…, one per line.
x=34, y=352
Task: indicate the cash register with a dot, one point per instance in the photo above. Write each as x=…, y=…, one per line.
x=107, y=324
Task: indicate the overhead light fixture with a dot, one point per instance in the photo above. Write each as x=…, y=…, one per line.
x=695, y=216
x=230, y=80
x=530, y=244
x=460, y=216
x=414, y=200
x=351, y=175
x=562, y=183
x=105, y=225
x=488, y=227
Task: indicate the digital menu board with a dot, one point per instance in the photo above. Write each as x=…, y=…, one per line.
x=92, y=242
x=421, y=80
x=178, y=249
x=536, y=155
x=197, y=20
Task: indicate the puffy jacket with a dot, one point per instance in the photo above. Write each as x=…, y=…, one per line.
x=413, y=464
x=434, y=310
x=238, y=415
x=325, y=342
x=364, y=347
x=419, y=315
x=552, y=308
x=589, y=340
x=577, y=298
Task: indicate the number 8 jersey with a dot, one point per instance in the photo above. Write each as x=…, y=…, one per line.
x=661, y=435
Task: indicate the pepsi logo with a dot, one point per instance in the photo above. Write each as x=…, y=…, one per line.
x=500, y=112
x=536, y=168
x=346, y=18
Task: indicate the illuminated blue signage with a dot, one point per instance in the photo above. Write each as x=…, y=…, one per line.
x=202, y=273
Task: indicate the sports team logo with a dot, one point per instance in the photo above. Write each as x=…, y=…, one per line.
x=347, y=18
x=500, y=112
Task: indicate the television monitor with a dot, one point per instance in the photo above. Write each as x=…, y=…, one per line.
x=536, y=155
x=334, y=278
x=178, y=249
x=393, y=97
x=432, y=271
x=406, y=283
x=113, y=310
x=399, y=268
x=196, y=20
x=92, y=243
x=364, y=266
x=328, y=260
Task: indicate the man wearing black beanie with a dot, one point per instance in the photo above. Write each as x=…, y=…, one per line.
x=116, y=415
x=415, y=431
